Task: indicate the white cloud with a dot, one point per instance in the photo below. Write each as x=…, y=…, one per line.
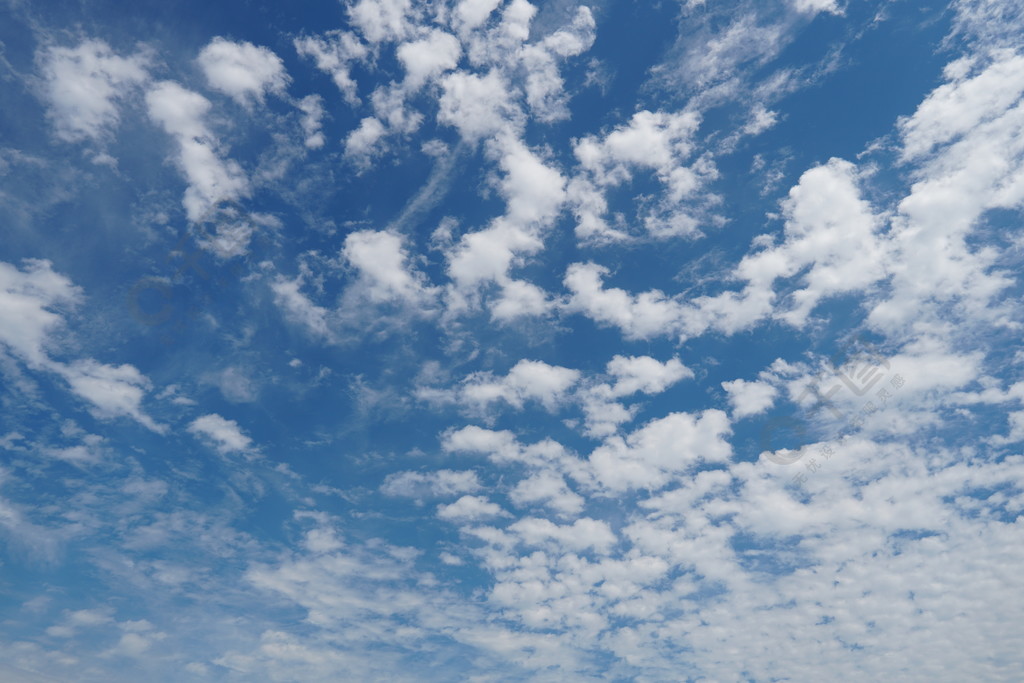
x=436, y=484
x=527, y=380
x=312, y=107
x=212, y=180
x=83, y=86
x=550, y=489
x=334, y=54
x=470, y=509
x=815, y=6
x=28, y=324
x=1016, y=433
x=362, y=141
x=298, y=307
x=629, y=375
x=661, y=450
x=534, y=195
x=27, y=298
x=583, y=534
x=382, y=261
x=965, y=136
x=645, y=374
x=428, y=57
x=113, y=391
x=225, y=435
x=749, y=398
x=545, y=90
x=830, y=228
x=243, y=71
x=959, y=106
x=641, y=316
x=656, y=142
x=470, y=14
x=478, y=106
x=381, y=20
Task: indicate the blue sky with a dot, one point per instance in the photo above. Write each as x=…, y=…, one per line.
x=489, y=340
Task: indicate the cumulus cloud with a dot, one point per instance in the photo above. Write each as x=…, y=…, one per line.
x=661, y=450
x=242, y=71
x=385, y=275
x=534, y=195
x=223, y=434
x=31, y=303
x=470, y=509
x=965, y=140
x=84, y=86
x=312, y=108
x=298, y=307
x=477, y=106
x=112, y=391
x=28, y=298
x=550, y=489
x=749, y=398
x=654, y=142
x=212, y=180
x=429, y=57
x=436, y=484
x=334, y=53
x=527, y=380
x=380, y=20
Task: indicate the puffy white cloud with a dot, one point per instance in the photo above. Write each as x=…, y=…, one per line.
x=113, y=391
x=749, y=398
x=243, y=71
x=83, y=85
x=829, y=228
x=959, y=106
x=583, y=534
x=297, y=306
x=502, y=447
x=470, y=509
x=429, y=57
x=656, y=142
x=641, y=316
x=225, y=435
x=1016, y=433
x=436, y=484
x=477, y=106
x=534, y=194
x=661, y=450
x=520, y=298
x=28, y=324
x=628, y=375
x=645, y=374
x=815, y=6
x=470, y=14
x=381, y=260
x=312, y=107
x=966, y=136
x=545, y=90
x=653, y=140
x=334, y=54
x=27, y=298
x=361, y=142
x=380, y=20
x=550, y=489
x=527, y=380
x=212, y=180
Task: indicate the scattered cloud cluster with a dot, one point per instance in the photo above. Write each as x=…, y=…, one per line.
x=507, y=366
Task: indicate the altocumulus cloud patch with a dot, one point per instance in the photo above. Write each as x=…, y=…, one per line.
x=511, y=340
